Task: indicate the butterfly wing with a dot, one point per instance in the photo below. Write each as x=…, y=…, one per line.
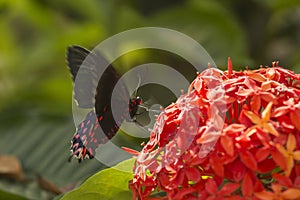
x=89, y=92
x=94, y=81
x=86, y=69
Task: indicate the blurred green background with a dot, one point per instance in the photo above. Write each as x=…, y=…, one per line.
x=36, y=122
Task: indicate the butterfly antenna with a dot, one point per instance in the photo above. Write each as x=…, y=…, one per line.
x=146, y=107
x=137, y=87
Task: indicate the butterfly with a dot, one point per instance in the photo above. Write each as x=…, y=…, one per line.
x=95, y=93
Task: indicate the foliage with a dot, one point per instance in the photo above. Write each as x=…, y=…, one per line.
x=107, y=184
x=7, y=196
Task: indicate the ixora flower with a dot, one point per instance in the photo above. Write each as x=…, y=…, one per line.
x=234, y=135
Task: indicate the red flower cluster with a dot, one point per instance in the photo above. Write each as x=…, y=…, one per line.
x=234, y=135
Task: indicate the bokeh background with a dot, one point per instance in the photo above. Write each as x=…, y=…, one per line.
x=36, y=122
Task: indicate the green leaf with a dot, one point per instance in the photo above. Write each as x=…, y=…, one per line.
x=42, y=144
x=8, y=196
x=107, y=184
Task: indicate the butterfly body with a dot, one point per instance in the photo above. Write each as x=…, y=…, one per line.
x=94, y=81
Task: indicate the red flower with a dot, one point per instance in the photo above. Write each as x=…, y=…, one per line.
x=291, y=109
x=234, y=135
x=279, y=193
x=289, y=153
x=213, y=192
x=261, y=123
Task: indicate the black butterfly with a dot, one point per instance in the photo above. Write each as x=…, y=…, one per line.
x=99, y=125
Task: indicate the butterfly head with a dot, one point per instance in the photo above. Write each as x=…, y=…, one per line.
x=134, y=104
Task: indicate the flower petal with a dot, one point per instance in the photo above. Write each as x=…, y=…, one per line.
x=268, y=97
x=296, y=155
x=247, y=185
x=270, y=128
x=295, y=116
x=227, y=144
x=255, y=103
x=229, y=188
x=282, y=150
x=249, y=160
x=217, y=165
x=291, y=193
x=211, y=186
x=267, y=112
x=253, y=117
x=291, y=143
x=280, y=111
x=262, y=153
x=233, y=128
x=276, y=188
x=264, y=195
x=193, y=174
x=283, y=180
x=258, y=77
x=290, y=165
x=279, y=159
